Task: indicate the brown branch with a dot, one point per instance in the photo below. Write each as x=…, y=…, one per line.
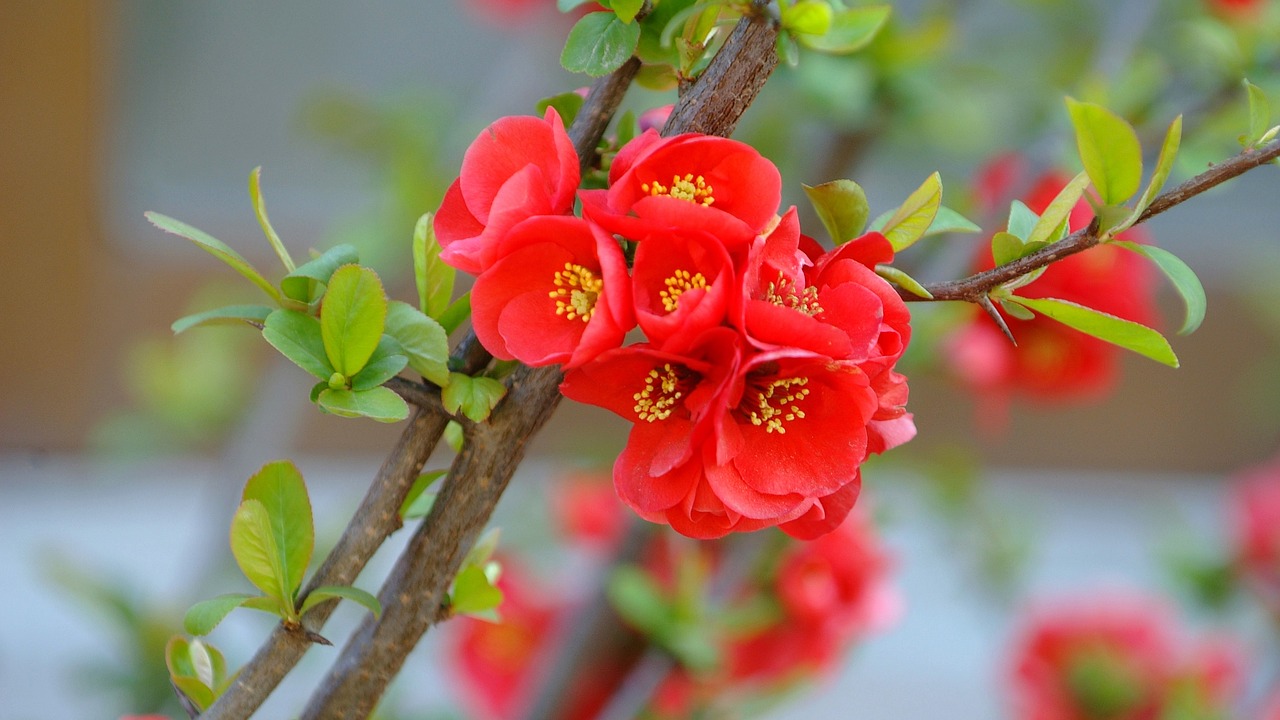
x=976, y=287
x=415, y=591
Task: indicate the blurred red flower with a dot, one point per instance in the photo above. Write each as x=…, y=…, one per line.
x=1255, y=507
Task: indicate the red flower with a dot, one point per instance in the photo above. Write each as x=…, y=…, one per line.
x=1118, y=660
x=588, y=511
x=682, y=284
x=557, y=292
x=716, y=185
x=517, y=168
x=1052, y=361
x=1255, y=506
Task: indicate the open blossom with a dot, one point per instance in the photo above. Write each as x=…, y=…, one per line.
x=557, y=292
x=1255, y=507
x=1119, y=659
x=1052, y=361
x=517, y=168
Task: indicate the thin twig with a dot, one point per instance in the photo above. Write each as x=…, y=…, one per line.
x=977, y=286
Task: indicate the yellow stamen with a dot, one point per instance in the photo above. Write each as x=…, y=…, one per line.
x=694, y=189
x=783, y=294
x=577, y=289
x=776, y=403
x=679, y=283
x=660, y=394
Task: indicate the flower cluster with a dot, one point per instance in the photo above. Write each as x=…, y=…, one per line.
x=1120, y=659
x=1052, y=361
x=766, y=375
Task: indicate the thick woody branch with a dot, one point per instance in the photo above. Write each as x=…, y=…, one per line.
x=414, y=594
x=976, y=287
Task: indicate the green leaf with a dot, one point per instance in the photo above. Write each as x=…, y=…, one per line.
x=216, y=248
x=903, y=280
x=950, y=221
x=1259, y=114
x=810, y=17
x=424, y=341
x=913, y=217
x=1022, y=220
x=484, y=548
x=205, y=615
x=298, y=336
x=260, y=209
x=196, y=668
x=1017, y=311
x=599, y=43
x=473, y=593
x=197, y=692
x=1005, y=248
x=1183, y=278
x=458, y=312
x=1058, y=213
x=300, y=283
x=1129, y=335
x=626, y=11
x=253, y=544
x=417, y=503
x=433, y=278
x=229, y=315
x=1109, y=150
x=566, y=104
x=639, y=600
x=850, y=30
x=474, y=396
x=454, y=436
x=842, y=207
x=283, y=494
x=377, y=403
x=386, y=362
x=352, y=318
x=1164, y=166
x=354, y=594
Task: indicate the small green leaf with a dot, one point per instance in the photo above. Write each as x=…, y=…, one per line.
x=1058, y=213
x=1022, y=220
x=254, y=546
x=300, y=283
x=1015, y=310
x=1109, y=150
x=216, y=248
x=197, y=692
x=1259, y=114
x=474, y=396
x=454, y=436
x=377, y=403
x=417, y=503
x=424, y=341
x=433, y=278
x=229, y=315
x=626, y=11
x=950, y=221
x=328, y=592
x=283, y=494
x=1183, y=278
x=352, y=318
x=809, y=17
x=484, y=548
x=260, y=209
x=909, y=222
x=473, y=593
x=205, y=615
x=903, y=280
x=1129, y=335
x=599, y=43
x=842, y=207
x=850, y=30
x=298, y=337
x=566, y=104
x=1164, y=166
x=1005, y=248
x=457, y=313
x=386, y=362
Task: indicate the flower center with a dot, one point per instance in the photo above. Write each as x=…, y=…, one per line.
x=680, y=282
x=694, y=189
x=577, y=289
x=775, y=403
x=782, y=292
x=660, y=394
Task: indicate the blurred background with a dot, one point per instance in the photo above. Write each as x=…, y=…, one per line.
x=123, y=447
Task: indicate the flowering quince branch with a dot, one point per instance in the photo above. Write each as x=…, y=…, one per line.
x=976, y=288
